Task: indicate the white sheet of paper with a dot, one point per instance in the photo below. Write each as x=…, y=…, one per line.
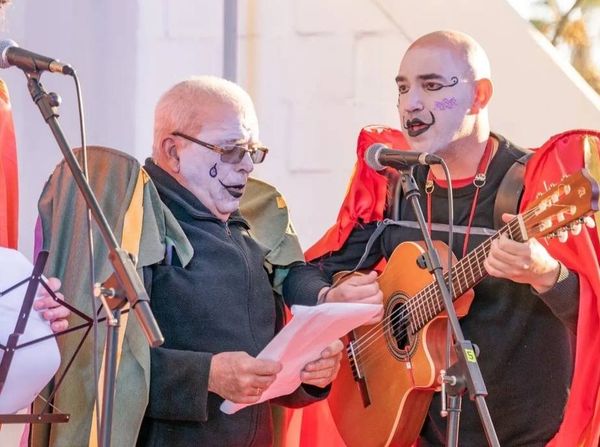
x=303, y=339
x=32, y=367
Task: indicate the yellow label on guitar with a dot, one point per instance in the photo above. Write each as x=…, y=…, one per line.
x=470, y=355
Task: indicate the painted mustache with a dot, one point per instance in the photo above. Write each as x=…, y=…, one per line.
x=416, y=126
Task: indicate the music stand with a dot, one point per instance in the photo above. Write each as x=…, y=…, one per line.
x=12, y=345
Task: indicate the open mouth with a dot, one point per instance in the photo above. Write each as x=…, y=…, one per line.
x=416, y=126
x=235, y=191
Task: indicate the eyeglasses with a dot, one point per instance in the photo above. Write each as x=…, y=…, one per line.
x=233, y=153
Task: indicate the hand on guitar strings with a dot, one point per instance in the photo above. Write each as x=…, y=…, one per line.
x=355, y=288
x=523, y=262
x=51, y=310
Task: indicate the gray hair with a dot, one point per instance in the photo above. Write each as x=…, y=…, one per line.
x=188, y=104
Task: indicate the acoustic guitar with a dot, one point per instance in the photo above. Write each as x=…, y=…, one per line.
x=390, y=370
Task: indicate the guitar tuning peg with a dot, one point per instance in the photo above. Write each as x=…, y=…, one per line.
x=576, y=228
x=563, y=235
x=589, y=222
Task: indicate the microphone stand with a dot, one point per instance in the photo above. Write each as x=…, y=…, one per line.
x=466, y=371
x=123, y=266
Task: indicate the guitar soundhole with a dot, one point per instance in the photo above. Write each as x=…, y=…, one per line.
x=400, y=339
x=400, y=327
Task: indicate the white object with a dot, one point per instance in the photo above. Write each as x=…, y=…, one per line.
x=302, y=340
x=33, y=366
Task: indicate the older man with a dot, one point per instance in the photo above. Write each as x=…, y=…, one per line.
x=525, y=313
x=218, y=312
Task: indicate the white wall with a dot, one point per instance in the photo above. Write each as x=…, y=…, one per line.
x=318, y=70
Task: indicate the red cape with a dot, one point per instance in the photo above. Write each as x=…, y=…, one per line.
x=366, y=195
x=564, y=154
x=9, y=188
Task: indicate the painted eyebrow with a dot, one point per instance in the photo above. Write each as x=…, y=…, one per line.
x=431, y=76
x=423, y=77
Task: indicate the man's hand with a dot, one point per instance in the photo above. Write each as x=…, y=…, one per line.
x=50, y=309
x=240, y=377
x=356, y=289
x=322, y=371
x=523, y=262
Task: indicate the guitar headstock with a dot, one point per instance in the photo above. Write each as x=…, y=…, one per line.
x=563, y=207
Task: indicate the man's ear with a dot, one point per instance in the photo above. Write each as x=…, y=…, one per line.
x=483, y=93
x=170, y=154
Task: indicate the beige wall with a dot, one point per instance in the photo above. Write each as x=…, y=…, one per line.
x=318, y=70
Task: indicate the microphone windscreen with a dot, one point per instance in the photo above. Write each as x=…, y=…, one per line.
x=372, y=156
x=5, y=45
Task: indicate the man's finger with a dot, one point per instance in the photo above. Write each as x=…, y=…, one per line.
x=359, y=280
x=265, y=367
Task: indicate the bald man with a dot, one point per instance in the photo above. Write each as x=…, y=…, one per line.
x=524, y=313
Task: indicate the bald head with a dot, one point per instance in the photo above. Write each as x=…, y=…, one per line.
x=443, y=92
x=463, y=47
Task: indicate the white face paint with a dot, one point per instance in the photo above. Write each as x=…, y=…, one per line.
x=434, y=99
x=218, y=185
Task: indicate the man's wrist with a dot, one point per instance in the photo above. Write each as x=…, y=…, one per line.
x=549, y=279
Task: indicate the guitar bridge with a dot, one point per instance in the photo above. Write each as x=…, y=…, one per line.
x=354, y=362
x=357, y=374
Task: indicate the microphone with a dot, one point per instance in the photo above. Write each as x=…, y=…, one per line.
x=378, y=156
x=12, y=54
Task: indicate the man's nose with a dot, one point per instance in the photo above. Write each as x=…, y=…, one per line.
x=246, y=164
x=410, y=102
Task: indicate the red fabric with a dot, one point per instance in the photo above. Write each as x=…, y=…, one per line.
x=366, y=195
x=564, y=154
x=9, y=190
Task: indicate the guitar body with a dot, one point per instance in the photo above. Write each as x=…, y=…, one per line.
x=387, y=407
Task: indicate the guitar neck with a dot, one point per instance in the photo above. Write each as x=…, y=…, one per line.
x=466, y=273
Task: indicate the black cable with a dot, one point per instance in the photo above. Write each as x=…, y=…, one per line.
x=95, y=338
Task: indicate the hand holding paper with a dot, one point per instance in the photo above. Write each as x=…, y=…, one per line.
x=300, y=342
x=322, y=371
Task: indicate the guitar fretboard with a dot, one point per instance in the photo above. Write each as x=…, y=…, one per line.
x=466, y=273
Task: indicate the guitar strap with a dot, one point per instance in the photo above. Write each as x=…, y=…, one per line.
x=508, y=198
x=510, y=191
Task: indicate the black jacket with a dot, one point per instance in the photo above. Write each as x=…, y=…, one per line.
x=221, y=301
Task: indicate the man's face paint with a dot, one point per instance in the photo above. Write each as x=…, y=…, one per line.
x=219, y=185
x=433, y=98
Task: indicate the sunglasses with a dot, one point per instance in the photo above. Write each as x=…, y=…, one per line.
x=233, y=153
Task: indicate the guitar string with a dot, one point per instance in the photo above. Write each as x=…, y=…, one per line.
x=382, y=331
x=428, y=292
x=402, y=316
x=431, y=291
x=420, y=298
